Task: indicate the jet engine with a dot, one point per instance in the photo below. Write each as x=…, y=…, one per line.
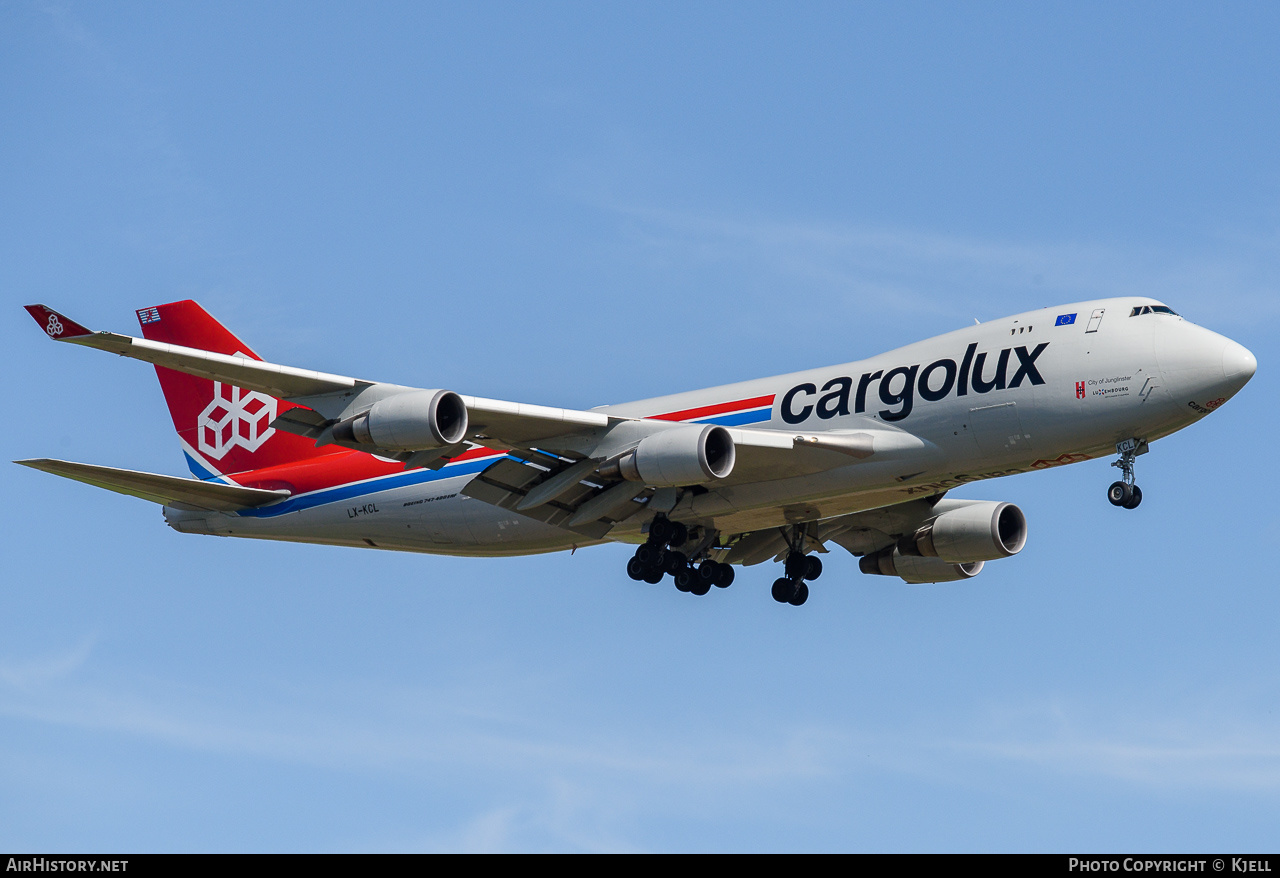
x=914, y=569
x=968, y=531
x=953, y=544
x=411, y=421
x=687, y=455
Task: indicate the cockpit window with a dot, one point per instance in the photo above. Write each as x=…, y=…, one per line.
x=1152, y=309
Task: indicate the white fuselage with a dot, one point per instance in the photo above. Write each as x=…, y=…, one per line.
x=1009, y=396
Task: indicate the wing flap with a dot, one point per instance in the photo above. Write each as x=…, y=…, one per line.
x=166, y=490
x=508, y=483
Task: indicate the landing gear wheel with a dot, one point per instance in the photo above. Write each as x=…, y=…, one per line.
x=707, y=572
x=674, y=562
x=679, y=534
x=1126, y=492
x=636, y=570
x=700, y=586
x=1119, y=494
x=813, y=567
x=796, y=565
x=686, y=579
x=660, y=530
x=653, y=576
x=801, y=595
x=650, y=554
x=783, y=590
x=724, y=575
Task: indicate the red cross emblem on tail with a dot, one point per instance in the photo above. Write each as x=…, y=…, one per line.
x=1079, y=390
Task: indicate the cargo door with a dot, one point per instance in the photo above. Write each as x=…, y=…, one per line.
x=998, y=429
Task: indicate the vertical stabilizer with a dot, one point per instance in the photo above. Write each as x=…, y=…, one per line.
x=223, y=429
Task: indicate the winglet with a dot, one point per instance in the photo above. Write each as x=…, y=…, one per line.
x=58, y=326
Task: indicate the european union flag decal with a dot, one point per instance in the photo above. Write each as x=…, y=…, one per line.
x=1065, y=320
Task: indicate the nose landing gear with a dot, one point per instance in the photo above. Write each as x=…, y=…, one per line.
x=1125, y=492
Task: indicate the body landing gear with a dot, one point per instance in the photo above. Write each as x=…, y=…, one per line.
x=653, y=560
x=1126, y=492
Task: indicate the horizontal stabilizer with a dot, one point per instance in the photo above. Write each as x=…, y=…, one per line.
x=168, y=490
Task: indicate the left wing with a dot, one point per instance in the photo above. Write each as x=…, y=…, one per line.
x=333, y=397
x=579, y=469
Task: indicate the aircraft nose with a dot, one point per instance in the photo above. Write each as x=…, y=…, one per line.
x=1238, y=364
x=1201, y=366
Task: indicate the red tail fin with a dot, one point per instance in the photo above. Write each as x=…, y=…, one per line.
x=223, y=429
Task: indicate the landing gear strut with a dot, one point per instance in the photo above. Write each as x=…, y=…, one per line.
x=797, y=567
x=654, y=559
x=1126, y=492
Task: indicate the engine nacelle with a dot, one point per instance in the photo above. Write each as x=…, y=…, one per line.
x=687, y=455
x=412, y=421
x=981, y=530
x=915, y=569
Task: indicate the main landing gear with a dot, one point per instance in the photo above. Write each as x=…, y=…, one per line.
x=797, y=567
x=670, y=551
x=792, y=588
x=654, y=560
x=1125, y=492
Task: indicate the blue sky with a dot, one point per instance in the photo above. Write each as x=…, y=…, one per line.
x=574, y=205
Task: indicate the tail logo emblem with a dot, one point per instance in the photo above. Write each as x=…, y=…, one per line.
x=241, y=419
x=55, y=326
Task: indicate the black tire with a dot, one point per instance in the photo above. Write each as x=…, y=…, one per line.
x=660, y=531
x=650, y=555
x=782, y=590
x=1119, y=493
x=1135, y=499
x=724, y=575
x=707, y=572
x=636, y=570
x=700, y=586
x=795, y=566
x=801, y=595
x=686, y=579
x=679, y=535
x=813, y=567
x=675, y=562
x=652, y=576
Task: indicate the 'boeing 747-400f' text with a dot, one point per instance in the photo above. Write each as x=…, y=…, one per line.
x=860, y=455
